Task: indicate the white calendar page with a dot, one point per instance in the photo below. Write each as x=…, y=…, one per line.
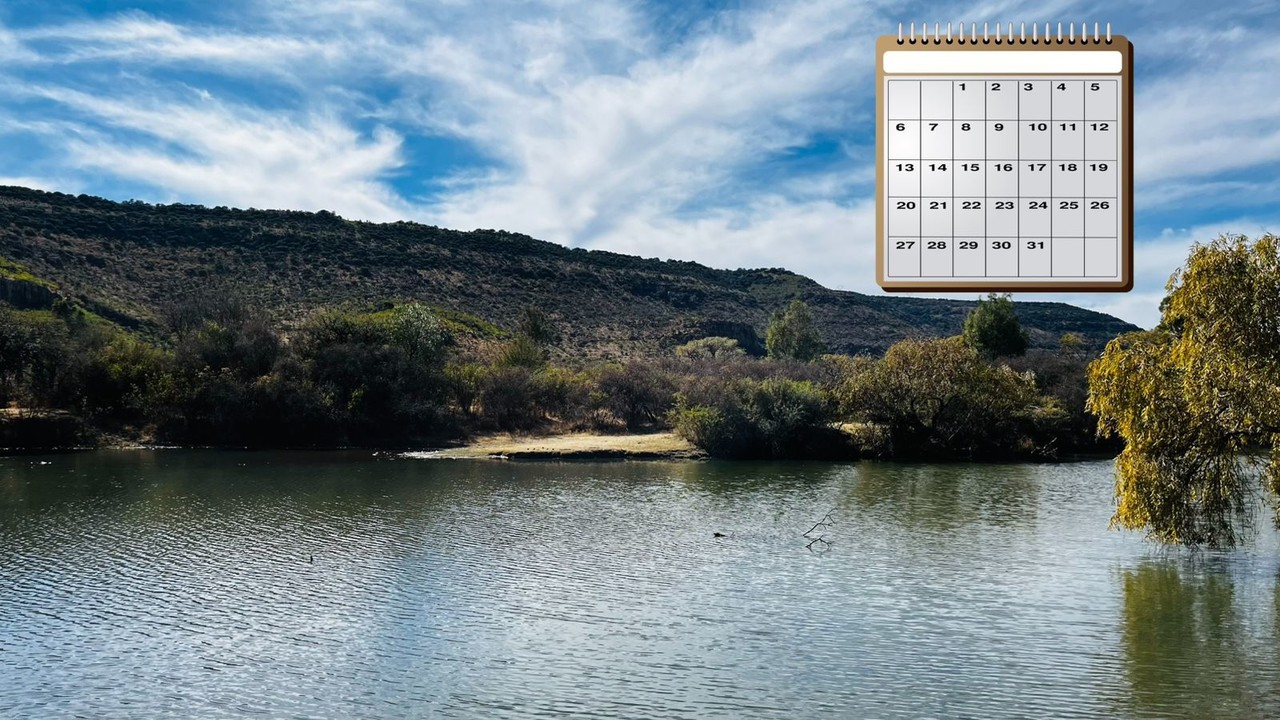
x=1009, y=176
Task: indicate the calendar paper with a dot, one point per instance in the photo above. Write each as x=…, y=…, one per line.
x=1004, y=165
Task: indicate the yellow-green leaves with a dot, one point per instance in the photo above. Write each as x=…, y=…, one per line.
x=1191, y=396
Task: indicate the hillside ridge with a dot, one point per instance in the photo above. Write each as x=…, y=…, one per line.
x=128, y=260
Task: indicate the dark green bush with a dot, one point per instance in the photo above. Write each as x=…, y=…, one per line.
x=775, y=418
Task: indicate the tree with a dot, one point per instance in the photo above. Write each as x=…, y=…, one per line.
x=792, y=334
x=939, y=398
x=1194, y=394
x=993, y=330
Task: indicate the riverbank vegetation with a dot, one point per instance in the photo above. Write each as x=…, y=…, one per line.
x=407, y=375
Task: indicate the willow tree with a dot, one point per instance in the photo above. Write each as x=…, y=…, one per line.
x=1197, y=399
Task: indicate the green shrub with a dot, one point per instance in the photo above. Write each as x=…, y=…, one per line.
x=522, y=352
x=710, y=348
x=775, y=418
x=939, y=398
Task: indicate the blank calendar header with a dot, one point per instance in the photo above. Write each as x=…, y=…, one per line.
x=1017, y=61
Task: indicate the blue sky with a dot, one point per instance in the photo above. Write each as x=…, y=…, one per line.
x=734, y=133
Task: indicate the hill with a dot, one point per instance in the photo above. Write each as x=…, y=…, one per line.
x=128, y=260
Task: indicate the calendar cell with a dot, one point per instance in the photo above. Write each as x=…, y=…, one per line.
x=1068, y=178
x=904, y=256
x=935, y=178
x=1068, y=100
x=904, y=217
x=935, y=139
x=969, y=139
x=1068, y=256
x=1034, y=217
x=970, y=100
x=1002, y=139
x=904, y=139
x=1033, y=100
x=1068, y=139
x=969, y=258
x=1100, y=257
x=1002, y=100
x=1034, y=257
x=1099, y=178
x=1002, y=217
x=935, y=100
x=935, y=257
x=904, y=100
x=1035, y=178
x=1100, y=100
x=1100, y=217
x=1002, y=257
x=904, y=178
x=935, y=216
x=1034, y=140
x=970, y=217
x=968, y=178
x=1068, y=217
x=1100, y=140
x=1002, y=178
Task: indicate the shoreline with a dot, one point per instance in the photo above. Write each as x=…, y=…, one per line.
x=570, y=446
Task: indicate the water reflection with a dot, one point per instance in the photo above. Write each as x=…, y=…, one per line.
x=944, y=498
x=1191, y=642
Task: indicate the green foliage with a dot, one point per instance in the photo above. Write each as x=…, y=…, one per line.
x=1191, y=396
x=793, y=335
x=122, y=379
x=26, y=339
x=536, y=325
x=523, y=352
x=746, y=418
x=710, y=348
x=465, y=381
x=10, y=270
x=993, y=330
x=938, y=398
x=418, y=331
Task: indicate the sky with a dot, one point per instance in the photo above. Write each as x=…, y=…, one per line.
x=732, y=133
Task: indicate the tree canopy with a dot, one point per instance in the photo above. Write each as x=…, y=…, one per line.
x=993, y=330
x=792, y=334
x=1196, y=394
x=939, y=398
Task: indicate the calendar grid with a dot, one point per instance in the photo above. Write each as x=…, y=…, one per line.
x=956, y=230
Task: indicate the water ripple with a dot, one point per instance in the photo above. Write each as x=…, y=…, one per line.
x=180, y=584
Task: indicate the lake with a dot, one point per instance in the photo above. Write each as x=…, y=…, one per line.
x=211, y=584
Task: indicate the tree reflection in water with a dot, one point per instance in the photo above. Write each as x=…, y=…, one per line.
x=1190, y=647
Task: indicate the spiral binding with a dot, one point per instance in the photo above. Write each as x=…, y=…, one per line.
x=1008, y=38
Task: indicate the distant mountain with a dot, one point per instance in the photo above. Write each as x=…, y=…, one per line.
x=128, y=260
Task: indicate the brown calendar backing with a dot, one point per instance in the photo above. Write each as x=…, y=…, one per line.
x=1118, y=43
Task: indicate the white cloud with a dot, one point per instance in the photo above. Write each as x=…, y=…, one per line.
x=226, y=154
x=40, y=183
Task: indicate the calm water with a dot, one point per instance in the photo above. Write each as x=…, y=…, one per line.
x=205, y=584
